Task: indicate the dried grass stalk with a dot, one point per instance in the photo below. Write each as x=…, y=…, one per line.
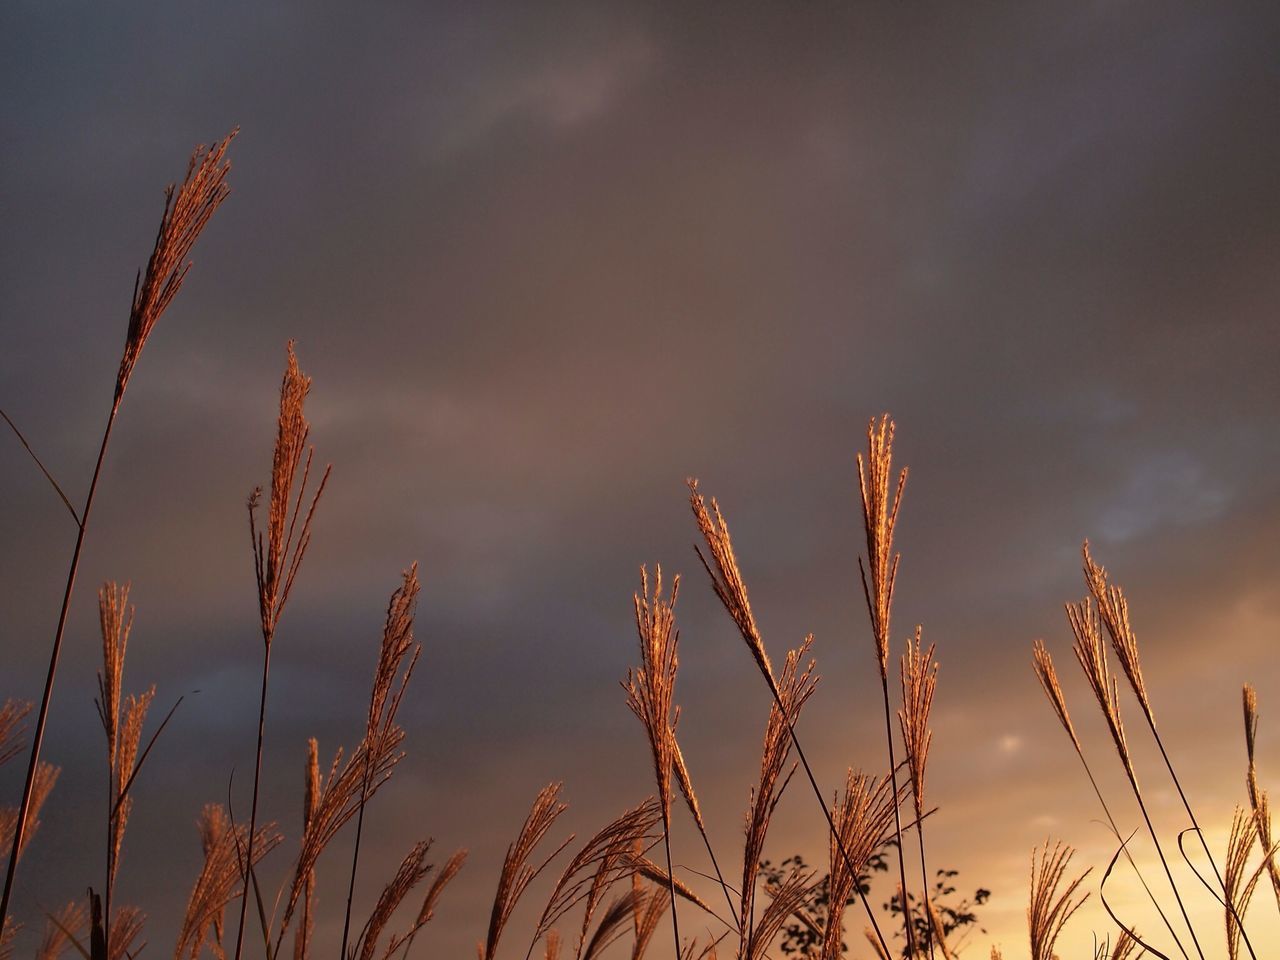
x=1049, y=910
x=401, y=943
x=518, y=870
x=650, y=696
x=919, y=675
x=876, y=946
x=646, y=868
x=279, y=549
x=126, y=927
x=41, y=787
x=69, y=922
x=310, y=806
x=784, y=900
x=612, y=925
x=605, y=858
x=1258, y=800
x=135, y=715
x=795, y=687
x=410, y=873
x=11, y=716
x=219, y=879
x=651, y=686
x=278, y=552
x=1126, y=946
x=648, y=914
x=863, y=816
x=1237, y=883
x=185, y=215
x=880, y=502
x=339, y=801
x=115, y=617
x=390, y=680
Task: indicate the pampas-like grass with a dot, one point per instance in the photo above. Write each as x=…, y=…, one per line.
x=650, y=696
x=413, y=869
x=61, y=928
x=880, y=503
x=1237, y=883
x=1258, y=800
x=1049, y=909
x=729, y=586
x=646, y=916
x=863, y=816
x=1114, y=611
x=218, y=883
x=11, y=716
x=601, y=862
x=518, y=869
x=1047, y=674
x=1091, y=653
x=45, y=779
x=795, y=686
x=278, y=552
x=919, y=677
x=397, y=656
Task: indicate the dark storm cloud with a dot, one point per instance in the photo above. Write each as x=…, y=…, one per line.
x=543, y=264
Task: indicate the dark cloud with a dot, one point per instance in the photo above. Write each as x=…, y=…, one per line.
x=543, y=264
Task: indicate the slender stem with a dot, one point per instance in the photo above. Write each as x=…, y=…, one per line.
x=37, y=739
x=253, y=810
x=1128, y=856
x=111, y=834
x=1133, y=782
x=897, y=817
x=924, y=880
x=355, y=856
x=715, y=865
x=817, y=792
x=1200, y=833
x=671, y=878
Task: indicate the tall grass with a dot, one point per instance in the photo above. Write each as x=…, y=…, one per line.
x=614, y=884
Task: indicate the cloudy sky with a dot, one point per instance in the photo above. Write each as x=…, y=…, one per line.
x=544, y=262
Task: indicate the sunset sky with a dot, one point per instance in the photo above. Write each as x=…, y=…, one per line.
x=544, y=262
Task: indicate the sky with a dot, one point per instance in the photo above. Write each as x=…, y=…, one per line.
x=544, y=262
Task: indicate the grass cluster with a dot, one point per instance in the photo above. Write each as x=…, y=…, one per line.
x=614, y=890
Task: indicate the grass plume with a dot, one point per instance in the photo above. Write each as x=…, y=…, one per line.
x=1258, y=800
x=1049, y=909
x=881, y=499
x=278, y=552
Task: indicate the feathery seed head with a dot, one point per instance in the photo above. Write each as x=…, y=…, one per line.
x=115, y=618
x=880, y=502
x=726, y=577
x=187, y=211
x=1048, y=677
x=919, y=676
x=1113, y=609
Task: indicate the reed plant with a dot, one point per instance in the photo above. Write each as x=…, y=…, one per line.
x=615, y=883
